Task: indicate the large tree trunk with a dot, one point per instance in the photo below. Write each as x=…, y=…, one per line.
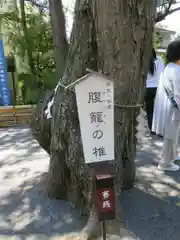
x=26, y=37
x=65, y=132
x=114, y=37
x=59, y=35
x=40, y=125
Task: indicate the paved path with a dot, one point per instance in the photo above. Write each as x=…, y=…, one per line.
x=151, y=210
x=25, y=211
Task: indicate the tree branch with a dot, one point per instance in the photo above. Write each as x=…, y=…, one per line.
x=161, y=17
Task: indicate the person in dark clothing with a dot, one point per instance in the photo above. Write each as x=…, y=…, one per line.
x=156, y=67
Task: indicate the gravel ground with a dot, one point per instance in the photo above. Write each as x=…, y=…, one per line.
x=25, y=211
x=151, y=210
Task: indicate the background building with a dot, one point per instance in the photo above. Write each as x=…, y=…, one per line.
x=165, y=36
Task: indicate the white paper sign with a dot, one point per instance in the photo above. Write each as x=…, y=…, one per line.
x=95, y=102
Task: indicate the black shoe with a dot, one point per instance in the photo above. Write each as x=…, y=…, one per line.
x=153, y=133
x=160, y=136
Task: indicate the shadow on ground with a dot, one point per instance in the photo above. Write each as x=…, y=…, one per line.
x=151, y=210
x=17, y=144
x=25, y=210
x=149, y=217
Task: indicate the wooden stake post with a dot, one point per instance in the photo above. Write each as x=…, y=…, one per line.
x=95, y=103
x=104, y=194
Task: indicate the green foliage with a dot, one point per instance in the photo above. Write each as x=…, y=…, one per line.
x=156, y=41
x=165, y=3
x=156, y=45
x=39, y=35
x=40, y=42
x=162, y=2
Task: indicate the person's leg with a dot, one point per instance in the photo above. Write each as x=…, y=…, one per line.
x=169, y=154
x=154, y=90
x=148, y=104
x=177, y=157
x=149, y=101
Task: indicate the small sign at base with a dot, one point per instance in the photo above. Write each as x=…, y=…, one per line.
x=104, y=197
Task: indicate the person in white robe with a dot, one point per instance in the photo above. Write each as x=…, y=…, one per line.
x=156, y=67
x=159, y=108
x=166, y=118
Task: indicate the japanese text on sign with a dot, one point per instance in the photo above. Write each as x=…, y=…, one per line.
x=105, y=197
x=95, y=101
x=4, y=89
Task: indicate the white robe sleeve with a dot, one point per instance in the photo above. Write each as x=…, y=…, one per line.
x=172, y=83
x=160, y=68
x=160, y=100
x=159, y=108
x=176, y=83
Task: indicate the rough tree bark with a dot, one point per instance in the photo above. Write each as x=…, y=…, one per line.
x=40, y=125
x=114, y=37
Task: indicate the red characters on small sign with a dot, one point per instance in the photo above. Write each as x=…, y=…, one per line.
x=105, y=200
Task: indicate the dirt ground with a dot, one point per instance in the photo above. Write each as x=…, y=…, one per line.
x=151, y=210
